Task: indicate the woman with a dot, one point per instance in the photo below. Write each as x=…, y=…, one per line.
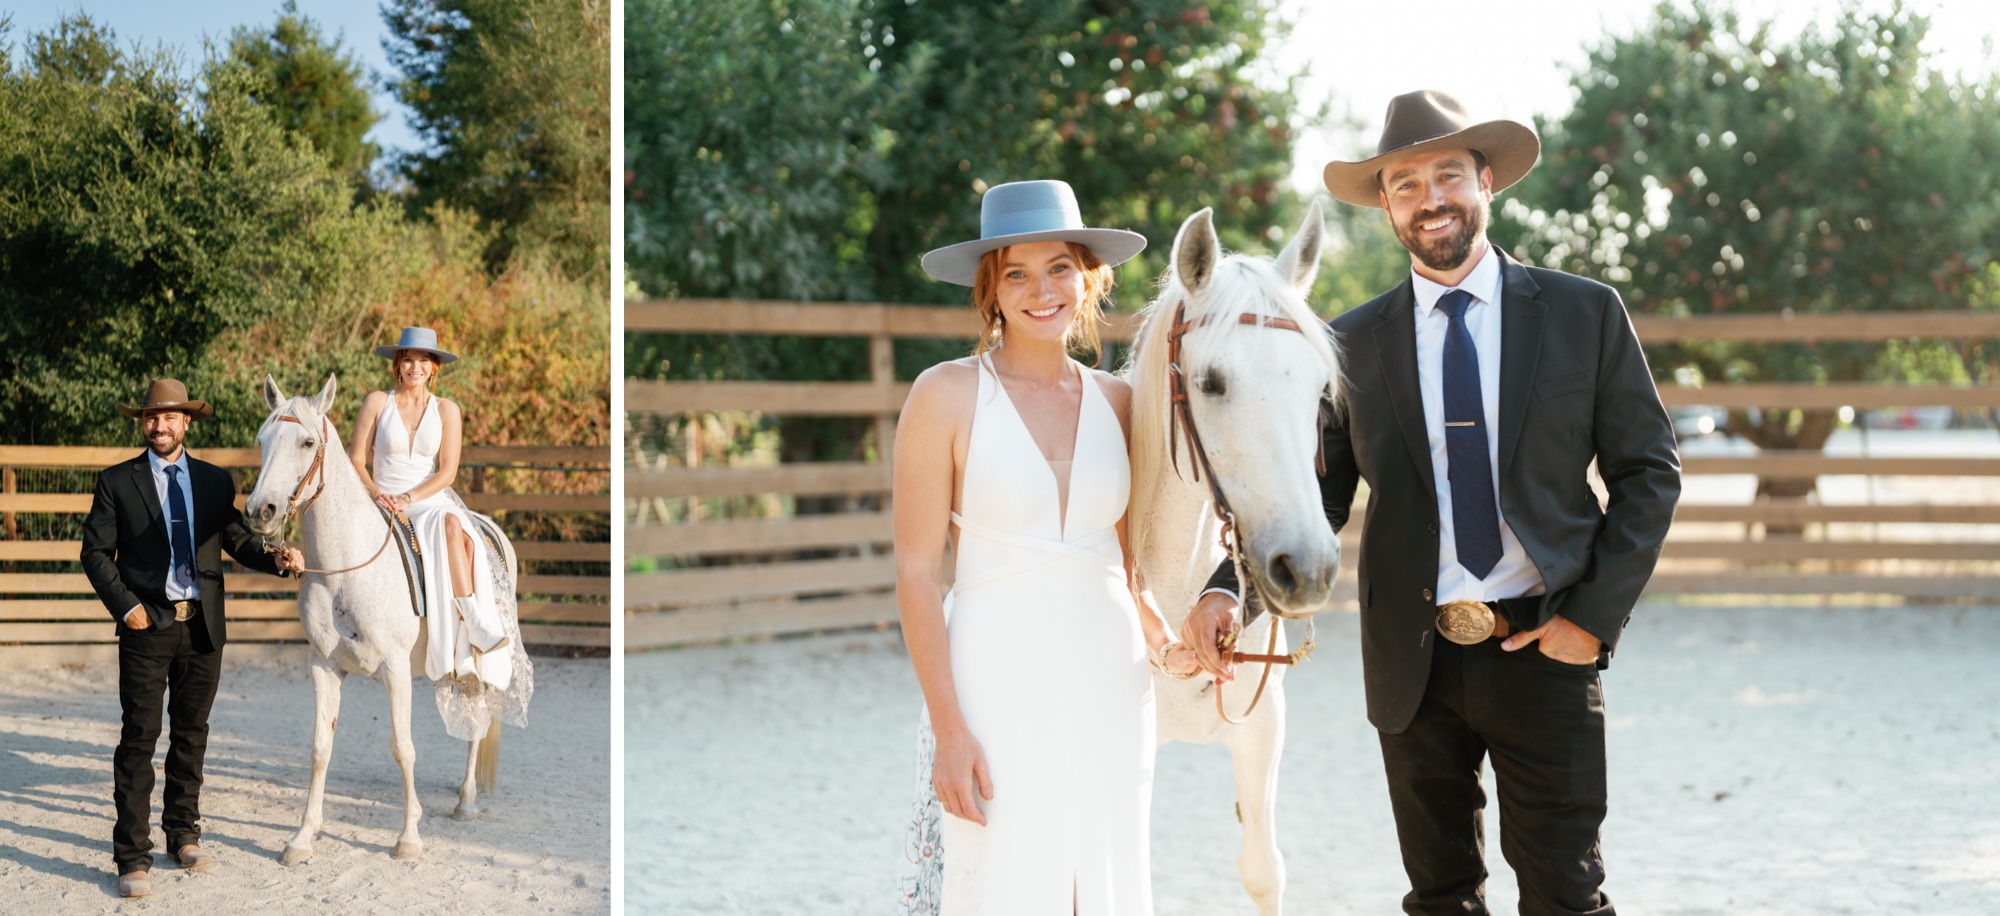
x=1034, y=668
x=406, y=447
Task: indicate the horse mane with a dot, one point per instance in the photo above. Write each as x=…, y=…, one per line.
x=1241, y=284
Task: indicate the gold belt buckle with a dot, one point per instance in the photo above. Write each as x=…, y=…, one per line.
x=1465, y=622
x=181, y=610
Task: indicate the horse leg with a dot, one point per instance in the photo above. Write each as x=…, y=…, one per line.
x=1254, y=758
x=468, y=791
x=326, y=680
x=397, y=679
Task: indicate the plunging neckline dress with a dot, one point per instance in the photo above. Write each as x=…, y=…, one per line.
x=401, y=462
x=1049, y=664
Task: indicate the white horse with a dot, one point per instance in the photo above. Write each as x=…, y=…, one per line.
x=357, y=619
x=1254, y=393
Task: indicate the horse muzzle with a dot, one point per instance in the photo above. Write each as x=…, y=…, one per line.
x=263, y=518
x=1296, y=581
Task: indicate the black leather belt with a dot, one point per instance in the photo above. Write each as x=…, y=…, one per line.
x=1519, y=612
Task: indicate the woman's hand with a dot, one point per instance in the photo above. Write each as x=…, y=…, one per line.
x=1182, y=662
x=387, y=502
x=956, y=770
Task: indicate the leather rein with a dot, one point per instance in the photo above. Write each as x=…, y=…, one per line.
x=1180, y=417
x=295, y=509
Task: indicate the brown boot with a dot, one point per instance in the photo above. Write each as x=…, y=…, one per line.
x=192, y=858
x=135, y=884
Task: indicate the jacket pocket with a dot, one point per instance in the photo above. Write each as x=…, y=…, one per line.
x=1568, y=384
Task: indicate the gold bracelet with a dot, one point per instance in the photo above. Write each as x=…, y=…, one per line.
x=1159, y=661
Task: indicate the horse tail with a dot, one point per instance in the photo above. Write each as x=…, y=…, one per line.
x=487, y=770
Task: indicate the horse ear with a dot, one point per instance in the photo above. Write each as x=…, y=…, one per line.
x=272, y=396
x=323, y=401
x=1299, y=262
x=1196, y=252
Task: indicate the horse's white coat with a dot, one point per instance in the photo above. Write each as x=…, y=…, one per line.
x=1260, y=436
x=359, y=621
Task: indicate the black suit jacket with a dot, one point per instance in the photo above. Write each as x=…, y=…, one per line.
x=126, y=548
x=1574, y=386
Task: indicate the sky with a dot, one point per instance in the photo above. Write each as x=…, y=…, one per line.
x=183, y=24
x=1514, y=60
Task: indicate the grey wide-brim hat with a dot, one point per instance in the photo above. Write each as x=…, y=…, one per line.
x=423, y=339
x=1021, y=212
x=1425, y=120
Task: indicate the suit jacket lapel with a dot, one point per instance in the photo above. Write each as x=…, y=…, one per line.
x=142, y=480
x=1521, y=328
x=1396, y=350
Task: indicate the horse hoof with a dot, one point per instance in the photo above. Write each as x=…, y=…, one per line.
x=295, y=855
x=463, y=813
x=408, y=849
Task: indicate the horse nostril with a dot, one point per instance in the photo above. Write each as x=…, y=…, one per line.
x=1283, y=577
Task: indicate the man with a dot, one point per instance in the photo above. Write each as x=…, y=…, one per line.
x=152, y=549
x=1493, y=587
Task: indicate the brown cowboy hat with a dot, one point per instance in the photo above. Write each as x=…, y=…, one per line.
x=1425, y=120
x=169, y=394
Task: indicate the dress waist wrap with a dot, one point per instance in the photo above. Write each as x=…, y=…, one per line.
x=1098, y=549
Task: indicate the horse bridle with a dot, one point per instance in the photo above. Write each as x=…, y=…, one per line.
x=1180, y=416
x=293, y=508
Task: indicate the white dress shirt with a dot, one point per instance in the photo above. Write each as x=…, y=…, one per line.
x=1515, y=575
x=176, y=590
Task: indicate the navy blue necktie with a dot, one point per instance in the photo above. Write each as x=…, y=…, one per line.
x=1475, y=519
x=179, y=532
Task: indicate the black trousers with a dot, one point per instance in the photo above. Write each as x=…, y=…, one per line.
x=174, y=666
x=1542, y=723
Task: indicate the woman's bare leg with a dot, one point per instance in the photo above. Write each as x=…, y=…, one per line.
x=458, y=550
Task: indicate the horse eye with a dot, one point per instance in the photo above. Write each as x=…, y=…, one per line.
x=1211, y=383
x=306, y=444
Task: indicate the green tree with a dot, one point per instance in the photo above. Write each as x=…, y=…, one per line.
x=514, y=99
x=312, y=87
x=1147, y=108
x=1710, y=167
x=814, y=149
x=140, y=222
x=750, y=139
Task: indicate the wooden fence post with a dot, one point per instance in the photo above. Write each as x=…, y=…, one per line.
x=691, y=459
x=882, y=371
x=7, y=485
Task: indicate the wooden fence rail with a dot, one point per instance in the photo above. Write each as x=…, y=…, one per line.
x=41, y=609
x=734, y=577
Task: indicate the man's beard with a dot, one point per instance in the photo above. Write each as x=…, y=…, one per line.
x=169, y=448
x=1450, y=252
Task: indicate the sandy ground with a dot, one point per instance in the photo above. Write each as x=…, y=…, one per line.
x=1763, y=761
x=541, y=845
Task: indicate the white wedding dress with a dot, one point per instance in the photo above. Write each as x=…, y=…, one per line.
x=1050, y=668
x=461, y=671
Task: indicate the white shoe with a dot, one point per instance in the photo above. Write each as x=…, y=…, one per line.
x=485, y=635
